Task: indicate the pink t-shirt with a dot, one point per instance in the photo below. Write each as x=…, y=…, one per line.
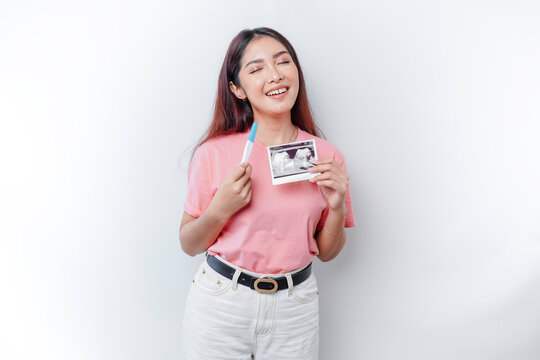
x=274, y=233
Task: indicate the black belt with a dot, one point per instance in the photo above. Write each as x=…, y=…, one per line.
x=264, y=284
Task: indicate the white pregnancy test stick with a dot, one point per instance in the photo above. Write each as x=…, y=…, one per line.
x=249, y=143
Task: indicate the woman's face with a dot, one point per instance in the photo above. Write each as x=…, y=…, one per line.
x=266, y=67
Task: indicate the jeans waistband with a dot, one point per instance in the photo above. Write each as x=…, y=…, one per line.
x=260, y=282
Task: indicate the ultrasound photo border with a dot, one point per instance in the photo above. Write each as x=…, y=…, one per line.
x=304, y=175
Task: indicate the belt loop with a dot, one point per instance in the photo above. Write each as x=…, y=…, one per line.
x=235, y=279
x=289, y=283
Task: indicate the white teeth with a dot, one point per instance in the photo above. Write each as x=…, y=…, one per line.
x=276, y=92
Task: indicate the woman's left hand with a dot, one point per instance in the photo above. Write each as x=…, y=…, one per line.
x=333, y=180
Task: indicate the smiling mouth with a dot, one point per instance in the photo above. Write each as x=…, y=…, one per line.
x=278, y=91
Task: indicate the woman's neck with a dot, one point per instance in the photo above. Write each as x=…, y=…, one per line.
x=275, y=130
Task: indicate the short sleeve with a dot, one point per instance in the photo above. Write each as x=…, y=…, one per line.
x=199, y=193
x=349, y=217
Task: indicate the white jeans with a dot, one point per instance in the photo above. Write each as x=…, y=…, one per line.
x=230, y=321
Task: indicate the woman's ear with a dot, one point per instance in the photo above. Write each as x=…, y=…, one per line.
x=237, y=91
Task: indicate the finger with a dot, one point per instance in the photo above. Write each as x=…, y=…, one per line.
x=338, y=183
x=324, y=176
x=324, y=161
x=338, y=173
x=320, y=168
x=238, y=172
x=328, y=183
x=328, y=176
x=334, y=185
x=335, y=167
x=244, y=178
x=242, y=182
x=246, y=189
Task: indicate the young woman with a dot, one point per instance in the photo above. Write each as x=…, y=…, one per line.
x=254, y=295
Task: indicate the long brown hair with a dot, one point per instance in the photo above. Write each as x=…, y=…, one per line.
x=232, y=115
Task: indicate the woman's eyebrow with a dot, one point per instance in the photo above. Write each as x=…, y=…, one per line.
x=257, y=61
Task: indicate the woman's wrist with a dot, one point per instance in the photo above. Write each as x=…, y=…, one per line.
x=341, y=209
x=216, y=216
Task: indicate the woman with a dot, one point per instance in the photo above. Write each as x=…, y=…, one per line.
x=254, y=295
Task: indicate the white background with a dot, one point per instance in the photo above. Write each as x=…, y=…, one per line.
x=435, y=105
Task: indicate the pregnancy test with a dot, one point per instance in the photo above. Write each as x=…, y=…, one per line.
x=249, y=143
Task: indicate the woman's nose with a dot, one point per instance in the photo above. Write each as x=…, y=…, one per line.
x=275, y=74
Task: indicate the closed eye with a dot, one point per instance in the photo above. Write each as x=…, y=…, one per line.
x=282, y=62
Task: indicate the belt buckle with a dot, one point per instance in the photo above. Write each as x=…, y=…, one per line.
x=266, y=280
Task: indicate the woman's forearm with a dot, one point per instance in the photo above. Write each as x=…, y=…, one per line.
x=332, y=237
x=198, y=234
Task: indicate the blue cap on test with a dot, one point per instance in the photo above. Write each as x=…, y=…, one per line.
x=252, y=132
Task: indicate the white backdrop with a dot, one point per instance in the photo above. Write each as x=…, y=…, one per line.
x=436, y=106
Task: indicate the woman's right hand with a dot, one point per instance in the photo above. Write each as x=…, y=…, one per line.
x=234, y=192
